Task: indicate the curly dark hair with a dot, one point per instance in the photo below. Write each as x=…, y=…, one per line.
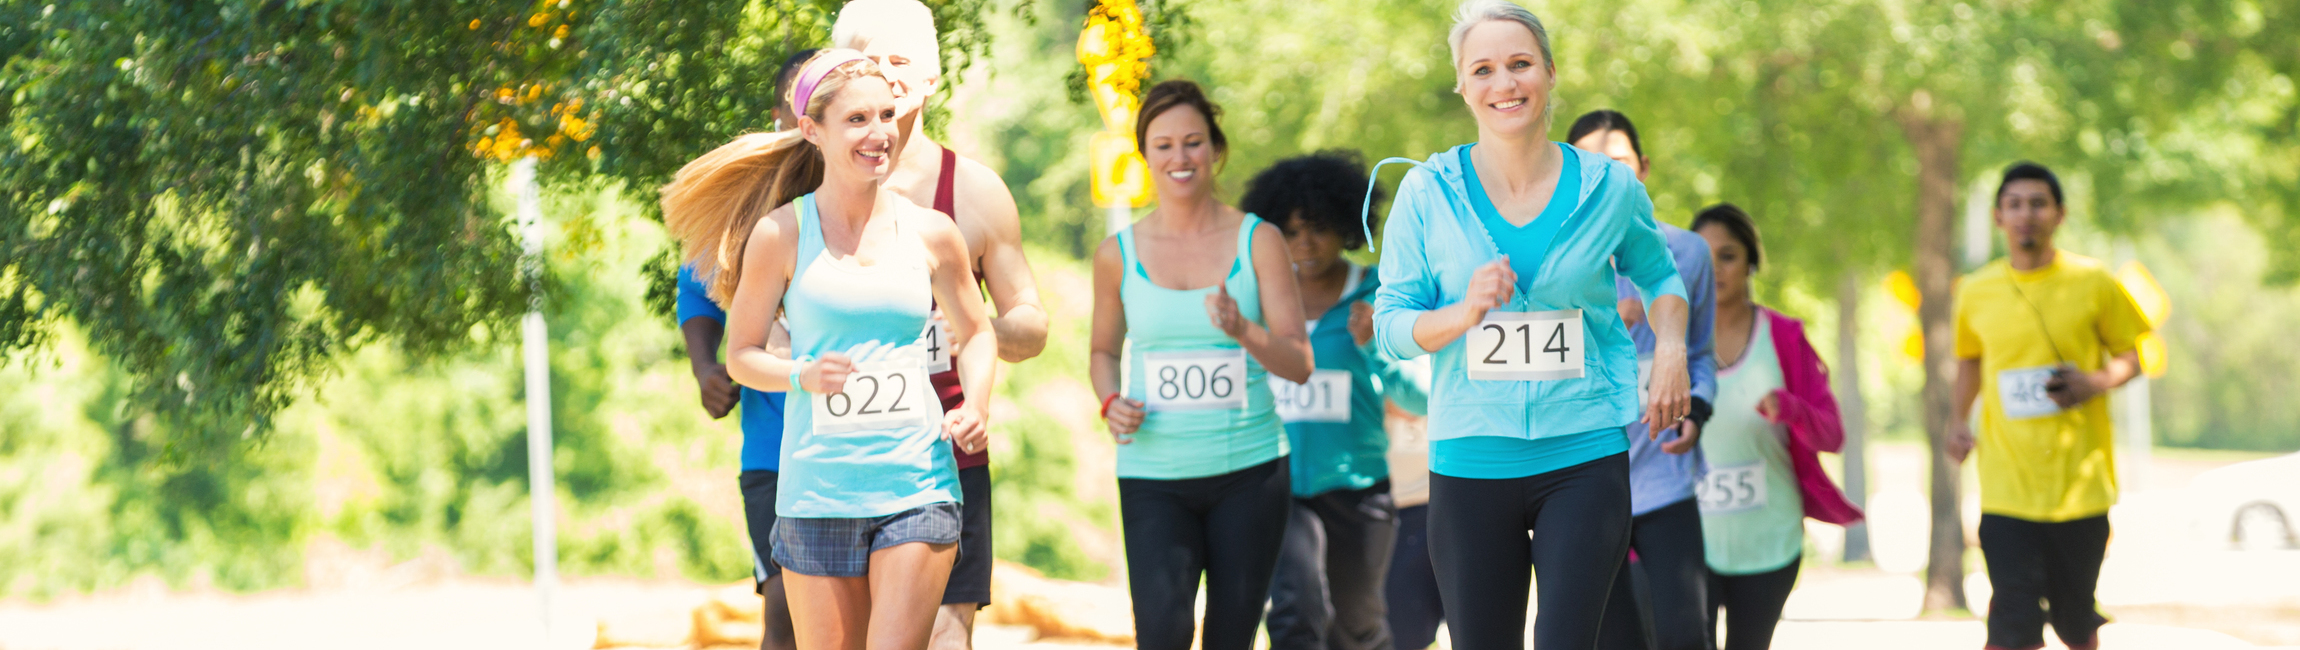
x=1324, y=190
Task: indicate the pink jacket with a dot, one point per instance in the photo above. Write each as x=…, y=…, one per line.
x=1809, y=410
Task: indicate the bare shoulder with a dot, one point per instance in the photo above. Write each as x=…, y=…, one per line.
x=937, y=231
x=982, y=197
x=780, y=224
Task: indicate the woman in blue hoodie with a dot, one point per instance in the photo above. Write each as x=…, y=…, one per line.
x=1501, y=258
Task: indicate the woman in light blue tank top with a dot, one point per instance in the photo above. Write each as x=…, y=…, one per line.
x=869, y=488
x=1202, y=480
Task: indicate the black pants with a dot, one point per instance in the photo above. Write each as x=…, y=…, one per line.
x=1328, y=588
x=2031, y=561
x=1660, y=601
x=1412, y=589
x=1227, y=527
x=970, y=574
x=1580, y=522
x=1752, y=605
x=758, y=486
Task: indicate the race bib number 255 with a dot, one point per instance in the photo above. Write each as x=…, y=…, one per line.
x=1740, y=488
x=1526, y=346
x=1182, y=381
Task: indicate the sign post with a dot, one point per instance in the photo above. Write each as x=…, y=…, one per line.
x=535, y=343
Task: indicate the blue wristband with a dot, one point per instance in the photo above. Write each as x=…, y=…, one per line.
x=797, y=366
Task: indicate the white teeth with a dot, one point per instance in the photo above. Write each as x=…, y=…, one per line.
x=1514, y=103
x=1182, y=175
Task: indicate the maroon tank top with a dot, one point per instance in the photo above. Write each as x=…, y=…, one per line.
x=946, y=382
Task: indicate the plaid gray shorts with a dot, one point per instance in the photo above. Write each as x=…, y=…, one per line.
x=841, y=548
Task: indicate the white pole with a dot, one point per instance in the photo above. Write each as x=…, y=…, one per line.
x=536, y=344
x=2135, y=437
x=1117, y=218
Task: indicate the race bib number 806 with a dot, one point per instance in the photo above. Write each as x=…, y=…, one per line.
x=1182, y=381
x=1526, y=346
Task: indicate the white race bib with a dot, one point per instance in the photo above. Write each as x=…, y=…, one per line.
x=879, y=395
x=1326, y=398
x=1199, y=380
x=1525, y=346
x=2022, y=393
x=1727, y=490
x=1644, y=381
x=936, y=337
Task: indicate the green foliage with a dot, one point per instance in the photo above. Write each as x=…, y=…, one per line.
x=228, y=196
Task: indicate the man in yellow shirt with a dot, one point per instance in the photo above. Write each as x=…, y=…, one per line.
x=2041, y=335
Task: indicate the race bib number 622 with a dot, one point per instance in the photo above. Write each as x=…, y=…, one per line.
x=878, y=396
x=1525, y=346
x=1203, y=380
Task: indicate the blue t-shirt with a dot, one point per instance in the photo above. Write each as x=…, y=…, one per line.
x=762, y=412
x=1493, y=457
x=1658, y=478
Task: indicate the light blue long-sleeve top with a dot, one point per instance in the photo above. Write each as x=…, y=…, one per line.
x=1658, y=478
x=1352, y=455
x=1435, y=242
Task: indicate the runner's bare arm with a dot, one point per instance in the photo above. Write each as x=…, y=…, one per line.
x=977, y=361
x=1967, y=389
x=1283, y=347
x=1671, y=394
x=1021, y=318
x=768, y=256
x=1109, y=341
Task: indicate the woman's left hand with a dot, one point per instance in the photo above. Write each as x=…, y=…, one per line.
x=967, y=426
x=1671, y=396
x=1222, y=311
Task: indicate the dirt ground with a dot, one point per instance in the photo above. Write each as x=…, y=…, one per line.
x=2163, y=589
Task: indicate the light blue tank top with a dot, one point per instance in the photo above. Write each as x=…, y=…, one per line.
x=863, y=312
x=1200, y=443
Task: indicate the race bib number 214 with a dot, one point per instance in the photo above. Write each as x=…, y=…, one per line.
x=1526, y=346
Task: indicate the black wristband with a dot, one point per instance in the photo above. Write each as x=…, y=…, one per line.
x=1700, y=412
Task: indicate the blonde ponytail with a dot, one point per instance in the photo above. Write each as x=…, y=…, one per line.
x=716, y=200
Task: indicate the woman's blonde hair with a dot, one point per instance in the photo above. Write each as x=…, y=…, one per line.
x=717, y=199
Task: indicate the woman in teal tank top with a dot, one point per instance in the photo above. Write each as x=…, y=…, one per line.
x=1202, y=480
x=869, y=490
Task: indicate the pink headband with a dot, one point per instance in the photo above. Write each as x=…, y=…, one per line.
x=813, y=74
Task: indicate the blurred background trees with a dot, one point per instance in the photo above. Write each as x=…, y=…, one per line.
x=226, y=219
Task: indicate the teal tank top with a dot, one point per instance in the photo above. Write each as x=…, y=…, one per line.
x=871, y=314
x=1180, y=444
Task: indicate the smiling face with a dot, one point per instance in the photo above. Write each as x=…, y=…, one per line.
x=2028, y=214
x=1614, y=144
x=1181, y=154
x=856, y=131
x=1504, y=79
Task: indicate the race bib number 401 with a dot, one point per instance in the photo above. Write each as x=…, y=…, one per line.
x=1725, y=490
x=878, y=396
x=1526, y=346
x=2022, y=393
x=1326, y=398
x=1204, y=380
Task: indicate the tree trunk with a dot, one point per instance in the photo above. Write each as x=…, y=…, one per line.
x=1854, y=410
x=1937, y=141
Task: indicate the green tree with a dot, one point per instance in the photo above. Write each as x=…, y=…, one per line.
x=229, y=195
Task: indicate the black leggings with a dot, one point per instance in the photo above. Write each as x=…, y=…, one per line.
x=1752, y=605
x=1660, y=600
x=2033, y=563
x=1227, y=527
x=1580, y=519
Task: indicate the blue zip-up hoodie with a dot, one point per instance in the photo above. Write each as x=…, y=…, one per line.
x=1434, y=243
